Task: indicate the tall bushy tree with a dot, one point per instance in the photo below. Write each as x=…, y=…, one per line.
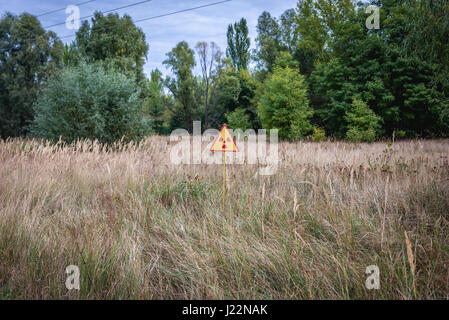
x=235, y=90
x=183, y=86
x=426, y=37
x=28, y=55
x=317, y=21
x=268, y=42
x=289, y=30
x=275, y=36
x=157, y=103
x=210, y=58
x=284, y=104
x=89, y=102
x=238, y=44
x=116, y=41
x=428, y=32
x=226, y=99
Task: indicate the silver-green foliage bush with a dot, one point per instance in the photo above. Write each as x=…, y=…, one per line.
x=89, y=102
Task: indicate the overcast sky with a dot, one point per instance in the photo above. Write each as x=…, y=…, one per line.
x=162, y=34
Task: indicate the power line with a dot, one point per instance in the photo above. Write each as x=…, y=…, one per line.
x=81, y=19
x=181, y=11
x=146, y=19
x=107, y=11
x=162, y=15
x=57, y=10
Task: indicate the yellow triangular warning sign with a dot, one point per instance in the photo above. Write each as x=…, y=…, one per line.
x=224, y=142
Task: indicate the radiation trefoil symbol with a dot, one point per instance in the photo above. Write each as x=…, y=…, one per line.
x=224, y=142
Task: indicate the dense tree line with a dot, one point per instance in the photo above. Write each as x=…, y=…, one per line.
x=29, y=55
x=317, y=71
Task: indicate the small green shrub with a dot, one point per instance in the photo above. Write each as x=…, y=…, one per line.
x=400, y=134
x=357, y=135
x=363, y=123
x=318, y=134
x=238, y=119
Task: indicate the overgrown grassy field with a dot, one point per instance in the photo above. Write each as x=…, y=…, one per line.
x=140, y=227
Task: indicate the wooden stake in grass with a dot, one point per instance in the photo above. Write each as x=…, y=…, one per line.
x=224, y=142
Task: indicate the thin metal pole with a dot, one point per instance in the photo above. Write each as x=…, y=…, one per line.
x=224, y=178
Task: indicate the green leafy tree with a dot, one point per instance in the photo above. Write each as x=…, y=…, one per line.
x=238, y=119
x=317, y=21
x=183, y=86
x=284, y=104
x=114, y=40
x=235, y=90
x=274, y=36
x=71, y=55
x=424, y=32
x=238, y=44
x=371, y=63
x=331, y=94
x=421, y=31
x=226, y=99
x=288, y=25
x=210, y=58
x=247, y=97
x=89, y=102
x=363, y=123
x=28, y=55
x=268, y=42
x=157, y=103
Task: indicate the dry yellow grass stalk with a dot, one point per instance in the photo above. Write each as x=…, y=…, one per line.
x=139, y=226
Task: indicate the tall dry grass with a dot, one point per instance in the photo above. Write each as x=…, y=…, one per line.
x=141, y=228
